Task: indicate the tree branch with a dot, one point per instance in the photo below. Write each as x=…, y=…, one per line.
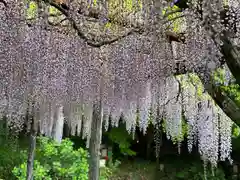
x=232, y=57
x=172, y=12
x=179, y=89
x=229, y=107
x=4, y=3
x=58, y=23
x=171, y=36
x=81, y=33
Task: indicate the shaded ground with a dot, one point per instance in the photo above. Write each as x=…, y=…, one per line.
x=175, y=168
x=140, y=170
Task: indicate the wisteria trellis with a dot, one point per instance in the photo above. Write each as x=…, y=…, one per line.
x=62, y=74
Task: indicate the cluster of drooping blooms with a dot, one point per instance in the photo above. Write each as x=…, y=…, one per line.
x=207, y=124
x=228, y=76
x=56, y=74
x=145, y=104
x=225, y=130
x=173, y=109
x=190, y=102
x=208, y=132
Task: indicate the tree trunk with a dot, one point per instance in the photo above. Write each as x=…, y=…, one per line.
x=31, y=151
x=57, y=131
x=229, y=107
x=95, y=141
x=232, y=57
x=225, y=103
x=149, y=140
x=149, y=150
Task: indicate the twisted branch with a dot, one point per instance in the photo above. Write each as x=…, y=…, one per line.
x=82, y=35
x=4, y=3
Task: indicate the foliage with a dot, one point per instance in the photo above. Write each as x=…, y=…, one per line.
x=39, y=172
x=195, y=172
x=175, y=167
x=56, y=161
x=226, y=82
x=236, y=131
x=183, y=133
x=9, y=157
x=135, y=171
x=177, y=22
x=188, y=167
x=121, y=137
x=31, y=9
x=233, y=90
x=108, y=171
x=224, y=79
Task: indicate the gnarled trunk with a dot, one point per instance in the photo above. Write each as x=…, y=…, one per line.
x=232, y=57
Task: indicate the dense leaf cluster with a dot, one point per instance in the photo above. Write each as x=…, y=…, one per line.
x=56, y=161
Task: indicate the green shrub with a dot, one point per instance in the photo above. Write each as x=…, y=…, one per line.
x=123, y=139
x=56, y=161
x=196, y=172
x=107, y=172
x=40, y=172
x=9, y=157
